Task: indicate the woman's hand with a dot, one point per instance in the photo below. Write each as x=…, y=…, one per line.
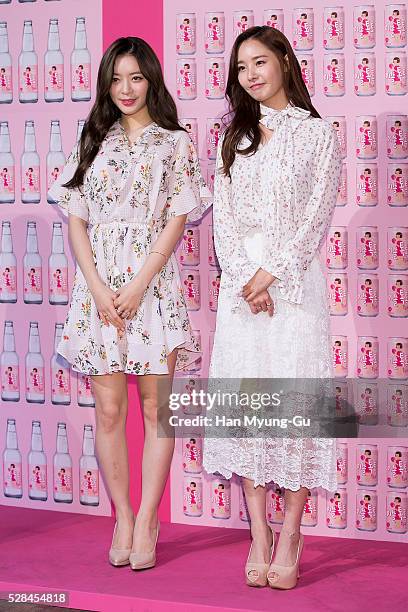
x=104, y=301
x=260, y=281
x=128, y=298
x=262, y=303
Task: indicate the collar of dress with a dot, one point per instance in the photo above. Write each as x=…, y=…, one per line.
x=291, y=116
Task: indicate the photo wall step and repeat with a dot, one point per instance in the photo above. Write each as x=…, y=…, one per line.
x=49, y=56
x=353, y=59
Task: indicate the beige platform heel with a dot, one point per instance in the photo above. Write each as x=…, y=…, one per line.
x=255, y=573
x=286, y=576
x=139, y=561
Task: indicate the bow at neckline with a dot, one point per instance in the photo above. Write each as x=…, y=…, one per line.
x=270, y=117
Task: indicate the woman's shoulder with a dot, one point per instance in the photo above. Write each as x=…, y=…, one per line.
x=319, y=127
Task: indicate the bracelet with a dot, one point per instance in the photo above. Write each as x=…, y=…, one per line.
x=158, y=252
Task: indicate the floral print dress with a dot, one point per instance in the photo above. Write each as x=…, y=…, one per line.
x=129, y=194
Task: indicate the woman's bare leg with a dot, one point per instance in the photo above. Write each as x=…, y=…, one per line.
x=289, y=536
x=157, y=454
x=111, y=405
x=260, y=532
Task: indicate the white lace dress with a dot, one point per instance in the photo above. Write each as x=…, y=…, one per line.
x=274, y=214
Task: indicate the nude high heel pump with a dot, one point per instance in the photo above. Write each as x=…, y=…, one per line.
x=255, y=573
x=139, y=561
x=118, y=556
x=286, y=576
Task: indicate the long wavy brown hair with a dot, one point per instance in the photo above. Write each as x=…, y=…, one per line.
x=245, y=111
x=160, y=104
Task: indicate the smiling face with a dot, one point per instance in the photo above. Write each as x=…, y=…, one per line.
x=129, y=87
x=260, y=74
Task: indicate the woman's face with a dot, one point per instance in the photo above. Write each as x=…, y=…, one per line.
x=129, y=86
x=260, y=74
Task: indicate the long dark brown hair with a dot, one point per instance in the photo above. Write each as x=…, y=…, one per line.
x=160, y=104
x=245, y=110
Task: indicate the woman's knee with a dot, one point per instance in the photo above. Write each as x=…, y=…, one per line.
x=110, y=416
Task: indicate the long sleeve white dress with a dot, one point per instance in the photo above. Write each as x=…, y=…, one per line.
x=274, y=214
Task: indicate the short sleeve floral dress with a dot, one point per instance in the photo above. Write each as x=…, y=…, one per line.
x=129, y=194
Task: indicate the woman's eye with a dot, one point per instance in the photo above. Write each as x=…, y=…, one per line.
x=137, y=78
x=260, y=62
x=240, y=68
x=115, y=80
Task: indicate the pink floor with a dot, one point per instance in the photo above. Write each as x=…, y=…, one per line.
x=199, y=568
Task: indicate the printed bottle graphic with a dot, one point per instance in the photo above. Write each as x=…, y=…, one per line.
x=34, y=363
x=80, y=127
x=30, y=167
x=32, y=267
x=9, y=364
x=53, y=66
x=55, y=158
x=62, y=467
x=28, y=67
x=7, y=173
x=5, y=1
x=12, y=486
x=58, y=267
x=60, y=373
x=80, y=65
x=88, y=471
x=8, y=267
x=37, y=465
x=6, y=67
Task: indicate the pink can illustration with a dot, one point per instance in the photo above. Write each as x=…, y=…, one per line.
x=367, y=357
x=397, y=466
x=193, y=496
x=397, y=405
x=395, y=25
x=191, y=287
x=307, y=68
x=303, y=29
x=210, y=176
x=189, y=249
x=396, y=73
x=333, y=28
x=367, y=184
x=215, y=32
x=364, y=26
x=367, y=247
x=186, y=79
x=310, y=515
x=214, y=78
x=336, y=509
x=221, y=498
x=398, y=295
x=366, y=137
x=274, y=18
x=397, y=248
x=186, y=33
x=212, y=258
x=367, y=465
x=242, y=21
x=193, y=454
x=214, y=279
x=340, y=126
x=191, y=126
x=342, y=188
x=341, y=404
x=243, y=508
x=367, y=403
x=213, y=137
x=366, y=510
x=192, y=385
x=342, y=463
x=211, y=342
x=397, y=184
x=340, y=356
x=397, y=511
x=364, y=74
x=337, y=248
x=338, y=293
x=367, y=295
x=275, y=504
x=333, y=74
x=84, y=391
x=397, y=136
x=184, y=362
x=397, y=358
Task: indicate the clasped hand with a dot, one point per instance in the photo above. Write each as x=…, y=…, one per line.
x=116, y=306
x=256, y=294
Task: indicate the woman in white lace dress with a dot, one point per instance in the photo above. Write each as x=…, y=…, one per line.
x=275, y=190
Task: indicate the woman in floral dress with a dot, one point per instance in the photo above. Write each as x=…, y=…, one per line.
x=275, y=190
x=127, y=190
